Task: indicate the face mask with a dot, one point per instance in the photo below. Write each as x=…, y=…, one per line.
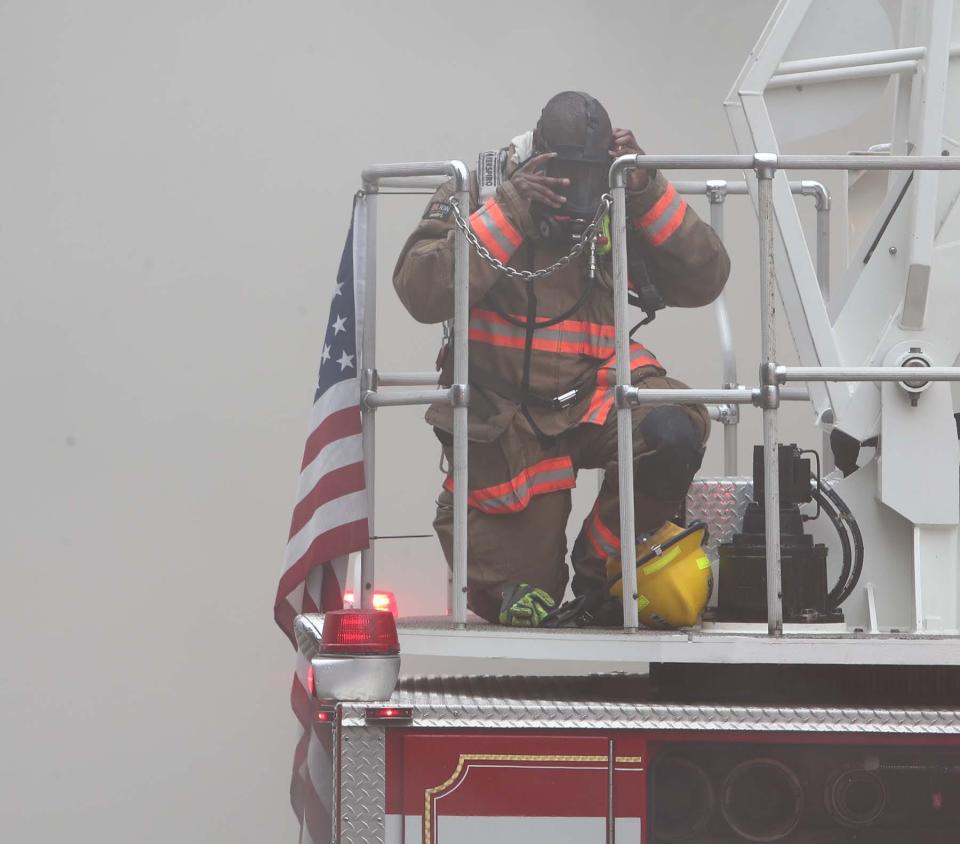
x=588, y=182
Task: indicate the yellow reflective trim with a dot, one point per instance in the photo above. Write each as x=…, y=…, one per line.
x=655, y=565
x=642, y=602
x=703, y=562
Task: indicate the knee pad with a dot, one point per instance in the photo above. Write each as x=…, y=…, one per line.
x=677, y=452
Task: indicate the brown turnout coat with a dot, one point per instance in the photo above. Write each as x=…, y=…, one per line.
x=684, y=259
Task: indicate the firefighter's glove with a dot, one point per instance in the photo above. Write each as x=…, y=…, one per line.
x=525, y=606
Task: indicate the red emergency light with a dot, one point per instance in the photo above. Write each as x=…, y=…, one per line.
x=386, y=601
x=394, y=714
x=361, y=632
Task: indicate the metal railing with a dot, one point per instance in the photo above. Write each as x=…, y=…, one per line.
x=766, y=396
x=457, y=395
x=716, y=192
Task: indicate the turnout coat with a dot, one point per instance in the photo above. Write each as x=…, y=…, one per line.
x=542, y=353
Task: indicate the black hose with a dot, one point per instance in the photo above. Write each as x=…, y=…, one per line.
x=851, y=523
x=845, y=566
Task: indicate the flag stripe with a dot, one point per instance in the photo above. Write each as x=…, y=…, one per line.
x=325, y=518
x=336, y=422
x=330, y=487
x=336, y=455
x=342, y=536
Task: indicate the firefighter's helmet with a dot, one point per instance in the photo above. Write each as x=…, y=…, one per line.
x=674, y=578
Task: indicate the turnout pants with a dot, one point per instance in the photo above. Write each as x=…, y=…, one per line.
x=529, y=544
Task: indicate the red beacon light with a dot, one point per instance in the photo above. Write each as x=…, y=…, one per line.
x=356, y=632
x=385, y=601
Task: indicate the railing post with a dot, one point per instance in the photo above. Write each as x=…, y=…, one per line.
x=823, y=245
x=765, y=166
x=628, y=548
x=717, y=195
x=369, y=433
x=461, y=315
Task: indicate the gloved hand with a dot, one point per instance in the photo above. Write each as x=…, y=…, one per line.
x=525, y=606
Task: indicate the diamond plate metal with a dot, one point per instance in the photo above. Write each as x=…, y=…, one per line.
x=720, y=503
x=362, y=782
x=622, y=701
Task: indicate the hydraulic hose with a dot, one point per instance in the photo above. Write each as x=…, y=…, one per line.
x=847, y=563
x=857, y=536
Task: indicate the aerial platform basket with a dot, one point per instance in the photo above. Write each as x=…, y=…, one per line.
x=876, y=641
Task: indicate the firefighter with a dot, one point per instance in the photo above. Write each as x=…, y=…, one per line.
x=542, y=365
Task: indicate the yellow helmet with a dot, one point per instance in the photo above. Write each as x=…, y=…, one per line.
x=674, y=578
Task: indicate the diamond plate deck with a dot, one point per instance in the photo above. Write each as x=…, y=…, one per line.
x=622, y=701
x=361, y=781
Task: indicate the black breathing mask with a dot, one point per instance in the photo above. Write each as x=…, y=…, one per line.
x=577, y=129
x=588, y=183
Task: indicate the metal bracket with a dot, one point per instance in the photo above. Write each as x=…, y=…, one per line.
x=913, y=388
x=622, y=395
x=460, y=395
x=819, y=192
x=716, y=191
x=766, y=164
x=369, y=382
x=769, y=386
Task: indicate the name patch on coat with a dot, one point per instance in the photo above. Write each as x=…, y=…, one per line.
x=438, y=211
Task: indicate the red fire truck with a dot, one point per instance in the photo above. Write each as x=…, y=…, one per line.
x=800, y=708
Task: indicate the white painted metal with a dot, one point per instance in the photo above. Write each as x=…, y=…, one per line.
x=900, y=292
x=796, y=273
x=851, y=60
x=927, y=140
x=839, y=74
x=872, y=608
x=485, y=641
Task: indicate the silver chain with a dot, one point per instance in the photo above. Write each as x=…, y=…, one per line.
x=589, y=233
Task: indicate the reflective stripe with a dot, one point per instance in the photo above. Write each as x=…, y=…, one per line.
x=604, y=541
x=550, y=475
x=495, y=231
x=569, y=336
x=656, y=565
x=604, y=394
x=664, y=218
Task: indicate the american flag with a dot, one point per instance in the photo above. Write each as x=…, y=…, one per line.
x=329, y=523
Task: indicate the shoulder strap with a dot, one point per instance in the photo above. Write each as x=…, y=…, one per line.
x=490, y=172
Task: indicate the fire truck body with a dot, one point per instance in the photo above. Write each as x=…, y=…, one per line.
x=808, y=723
x=468, y=759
